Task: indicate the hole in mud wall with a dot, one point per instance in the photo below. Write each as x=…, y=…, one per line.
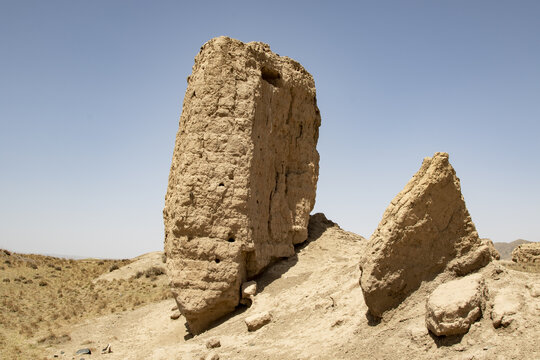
x=270, y=75
x=231, y=240
x=217, y=261
x=221, y=184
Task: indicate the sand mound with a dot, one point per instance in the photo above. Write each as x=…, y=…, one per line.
x=318, y=312
x=140, y=264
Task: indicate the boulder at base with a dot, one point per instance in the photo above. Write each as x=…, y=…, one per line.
x=425, y=230
x=455, y=305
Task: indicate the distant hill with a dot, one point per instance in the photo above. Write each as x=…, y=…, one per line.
x=505, y=249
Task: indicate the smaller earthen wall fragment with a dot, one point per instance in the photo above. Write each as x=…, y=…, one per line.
x=527, y=253
x=424, y=231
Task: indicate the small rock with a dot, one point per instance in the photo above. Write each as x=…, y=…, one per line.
x=174, y=308
x=417, y=332
x=85, y=351
x=249, y=289
x=455, y=305
x=175, y=315
x=257, y=321
x=107, y=349
x=534, y=289
x=212, y=356
x=505, y=306
x=213, y=343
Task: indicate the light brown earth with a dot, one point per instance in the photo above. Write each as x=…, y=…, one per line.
x=318, y=313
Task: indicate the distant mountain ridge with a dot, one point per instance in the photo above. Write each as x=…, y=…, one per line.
x=505, y=249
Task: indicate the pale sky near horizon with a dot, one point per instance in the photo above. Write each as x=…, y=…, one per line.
x=91, y=93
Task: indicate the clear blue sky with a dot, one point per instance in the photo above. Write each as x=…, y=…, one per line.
x=91, y=93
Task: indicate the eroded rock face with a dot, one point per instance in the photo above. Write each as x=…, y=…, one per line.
x=455, y=305
x=527, y=253
x=243, y=175
x=424, y=231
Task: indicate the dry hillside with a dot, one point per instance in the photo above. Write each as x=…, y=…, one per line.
x=42, y=297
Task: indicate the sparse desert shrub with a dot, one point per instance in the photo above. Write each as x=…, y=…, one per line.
x=43, y=283
x=114, y=267
x=6, y=280
x=154, y=271
x=57, y=268
x=27, y=330
x=525, y=267
x=54, y=339
x=13, y=306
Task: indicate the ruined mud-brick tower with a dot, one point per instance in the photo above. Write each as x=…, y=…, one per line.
x=243, y=174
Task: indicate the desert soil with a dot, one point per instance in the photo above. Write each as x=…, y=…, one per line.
x=318, y=312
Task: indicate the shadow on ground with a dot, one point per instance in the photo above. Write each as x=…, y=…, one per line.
x=444, y=341
x=318, y=224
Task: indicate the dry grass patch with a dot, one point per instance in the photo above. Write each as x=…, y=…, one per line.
x=41, y=294
x=525, y=267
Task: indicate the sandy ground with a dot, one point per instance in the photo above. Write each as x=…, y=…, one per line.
x=318, y=313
